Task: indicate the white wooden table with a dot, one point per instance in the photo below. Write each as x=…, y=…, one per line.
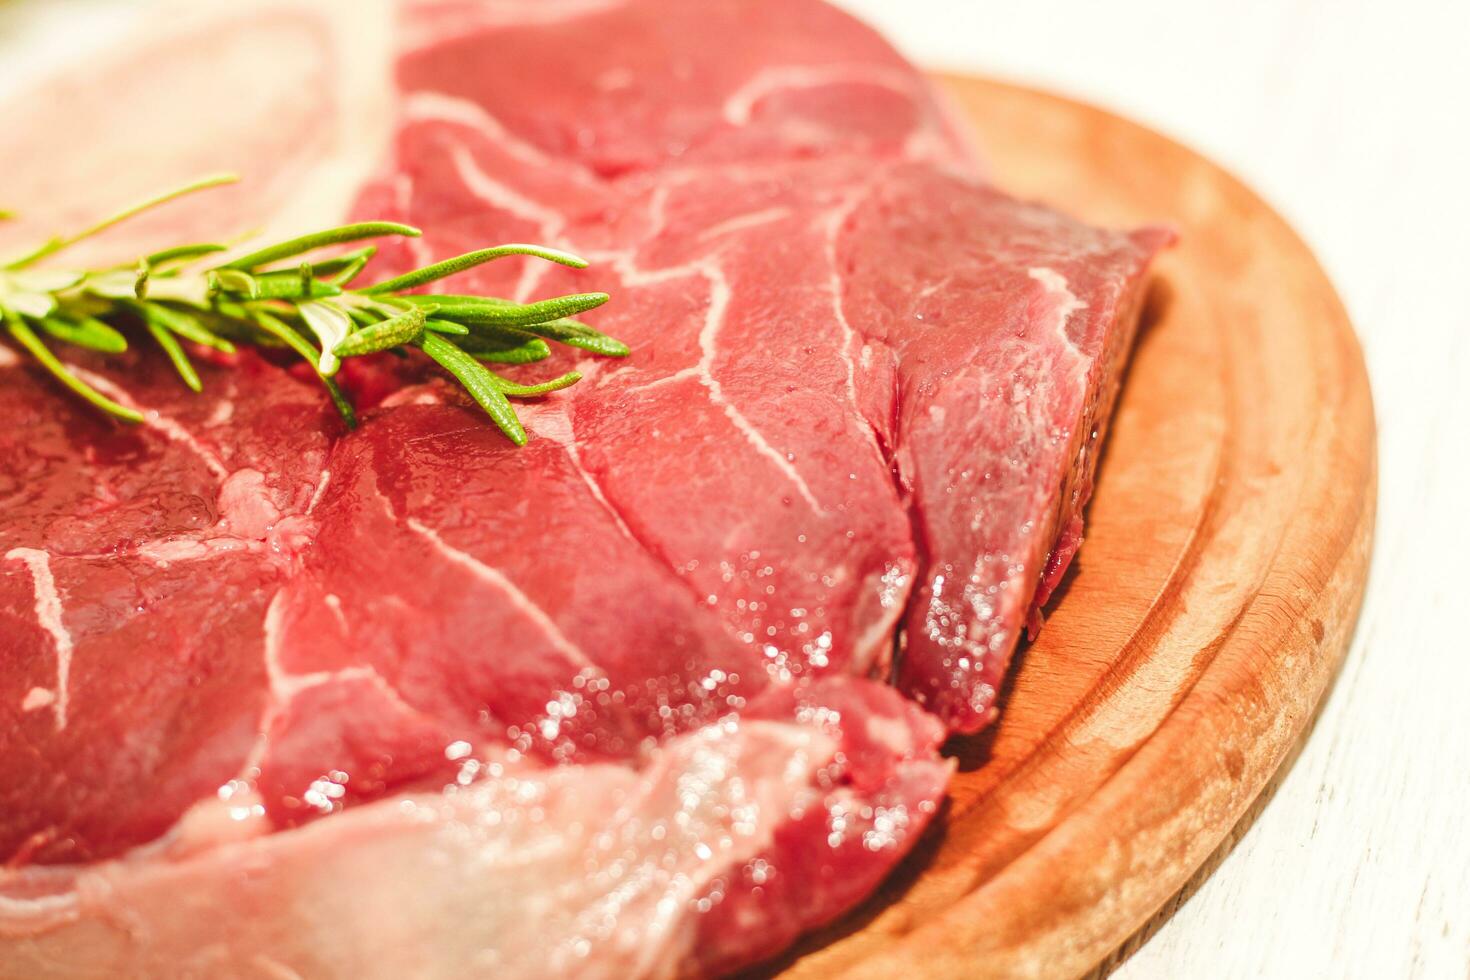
x=1353, y=118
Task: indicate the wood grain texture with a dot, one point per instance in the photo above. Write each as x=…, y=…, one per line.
x=1226, y=554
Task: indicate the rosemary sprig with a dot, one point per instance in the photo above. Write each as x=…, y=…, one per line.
x=277, y=296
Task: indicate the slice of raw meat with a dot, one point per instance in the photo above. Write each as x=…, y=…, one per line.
x=135, y=568
x=1009, y=326
x=296, y=98
x=410, y=700
x=655, y=84
x=597, y=870
x=885, y=383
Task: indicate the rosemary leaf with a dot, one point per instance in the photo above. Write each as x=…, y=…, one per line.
x=575, y=334
x=121, y=284
x=28, y=339
x=44, y=280
x=392, y=332
x=449, y=267
x=348, y=274
x=353, y=260
x=525, y=354
x=292, y=285
x=332, y=236
x=331, y=324
x=183, y=254
x=175, y=352
x=33, y=305
x=186, y=325
x=283, y=332
x=234, y=281
x=480, y=383
x=286, y=334
x=57, y=244
x=85, y=331
x=447, y=328
x=521, y=350
x=364, y=317
x=472, y=310
x=339, y=401
x=513, y=390
x=114, y=284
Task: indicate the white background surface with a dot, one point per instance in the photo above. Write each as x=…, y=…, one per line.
x=1353, y=118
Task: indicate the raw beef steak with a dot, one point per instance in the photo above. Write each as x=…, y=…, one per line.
x=282, y=699
x=864, y=386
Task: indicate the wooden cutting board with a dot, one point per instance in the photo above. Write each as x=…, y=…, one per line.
x=1226, y=553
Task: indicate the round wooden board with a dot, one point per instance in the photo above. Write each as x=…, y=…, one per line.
x=1226, y=554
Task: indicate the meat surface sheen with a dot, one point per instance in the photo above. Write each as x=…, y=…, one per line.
x=279, y=698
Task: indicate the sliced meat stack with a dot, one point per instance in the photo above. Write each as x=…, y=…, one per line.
x=412, y=701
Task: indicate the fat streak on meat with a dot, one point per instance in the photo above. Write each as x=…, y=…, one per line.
x=282, y=700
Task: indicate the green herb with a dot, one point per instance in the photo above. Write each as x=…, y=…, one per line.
x=278, y=296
